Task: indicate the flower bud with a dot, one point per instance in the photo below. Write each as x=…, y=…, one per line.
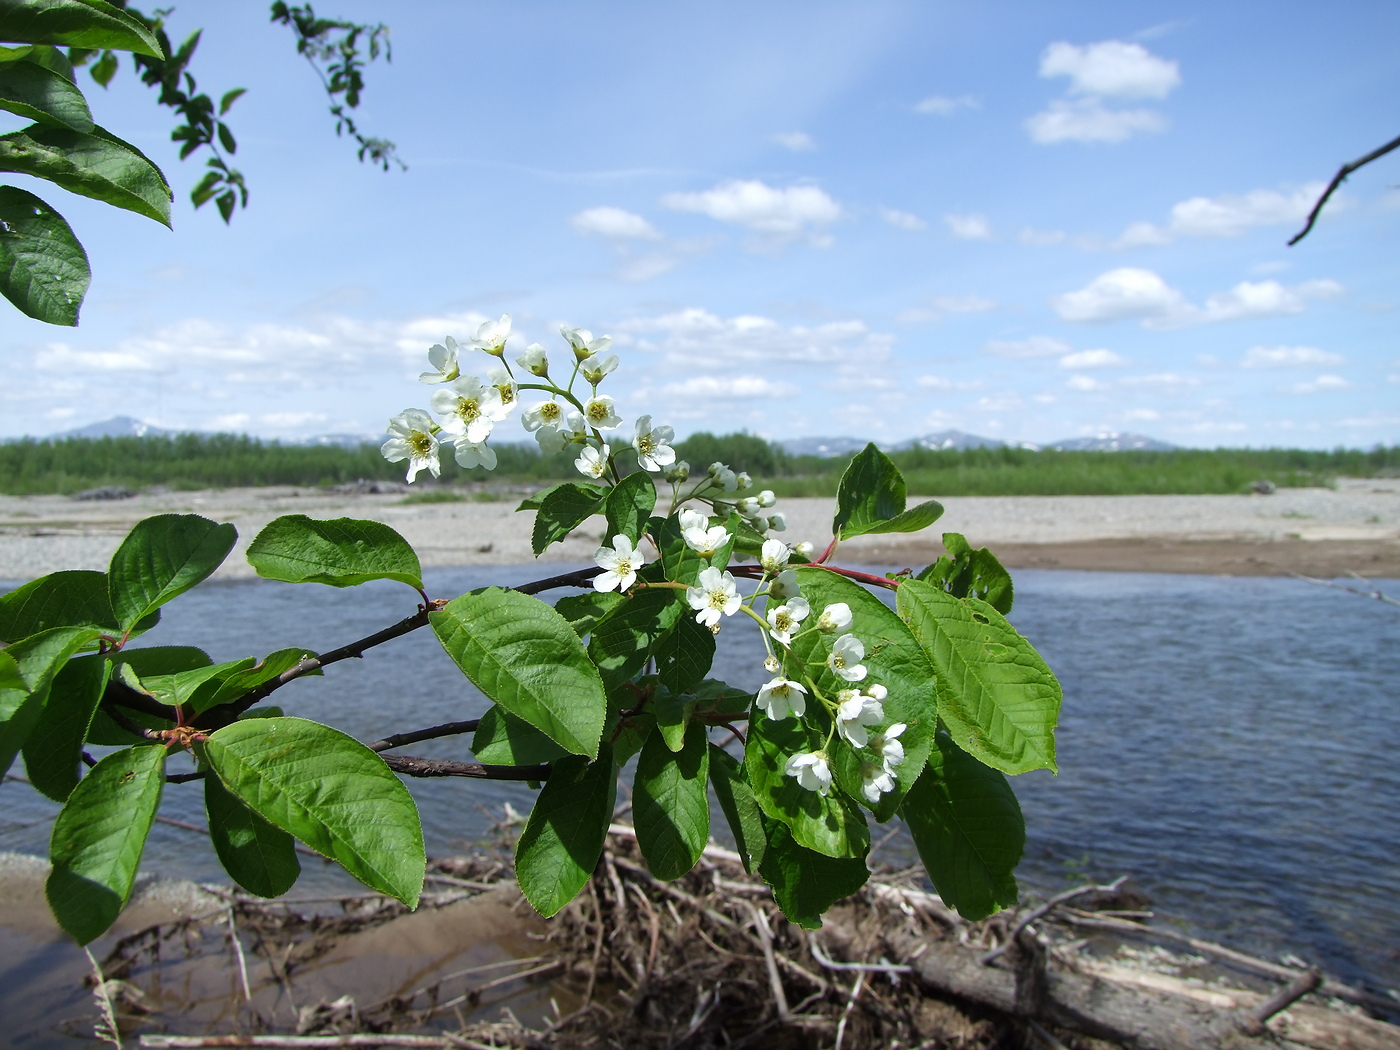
x=744, y=481
x=679, y=474
x=771, y=665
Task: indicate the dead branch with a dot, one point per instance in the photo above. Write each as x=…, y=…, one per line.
x=1337, y=179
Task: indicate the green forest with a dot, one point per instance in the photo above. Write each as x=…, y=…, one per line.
x=197, y=461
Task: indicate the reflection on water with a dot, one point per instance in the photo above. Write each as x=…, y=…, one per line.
x=1228, y=742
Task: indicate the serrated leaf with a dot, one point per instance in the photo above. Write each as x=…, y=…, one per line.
x=160, y=559
x=525, y=657
x=871, y=491
x=27, y=670
x=739, y=806
x=584, y=611
x=35, y=92
x=98, y=839
x=670, y=809
x=328, y=790
x=44, y=271
x=918, y=517
x=806, y=883
x=561, y=510
x=93, y=164
x=74, y=598
x=965, y=572
x=89, y=24
x=502, y=739
x=968, y=829
x=684, y=655
x=830, y=824
x=563, y=838
x=997, y=696
x=339, y=552
x=175, y=690
x=629, y=505
x=672, y=714
x=149, y=660
x=258, y=856
x=229, y=685
x=53, y=752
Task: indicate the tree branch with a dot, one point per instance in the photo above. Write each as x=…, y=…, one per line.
x=1337, y=179
x=409, y=766
x=431, y=733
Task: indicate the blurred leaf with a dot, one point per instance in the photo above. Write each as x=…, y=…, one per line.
x=104, y=69
x=229, y=98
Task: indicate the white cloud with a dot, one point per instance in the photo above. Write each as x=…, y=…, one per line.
x=969, y=227
x=797, y=141
x=1092, y=359
x=780, y=214
x=290, y=420
x=696, y=340
x=1035, y=346
x=614, y=223
x=1289, y=357
x=943, y=106
x=715, y=387
x=1089, y=120
x=934, y=383
x=918, y=315
x=964, y=304
x=1321, y=385
x=902, y=219
x=1084, y=384
x=1129, y=293
x=1229, y=215
x=1040, y=238
x=1160, y=381
x=1111, y=68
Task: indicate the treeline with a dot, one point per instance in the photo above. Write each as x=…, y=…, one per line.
x=197, y=461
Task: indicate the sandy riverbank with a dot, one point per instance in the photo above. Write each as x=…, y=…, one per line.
x=1318, y=532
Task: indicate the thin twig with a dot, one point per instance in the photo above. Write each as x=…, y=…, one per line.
x=831, y=964
x=242, y=962
x=1308, y=981
x=1337, y=179
x=431, y=733
x=305, y=1042
x=1045, y=909
x=1373, y=592
x=765, y=938
x=846, y=1013
x=411, y=766
x=107, y=1030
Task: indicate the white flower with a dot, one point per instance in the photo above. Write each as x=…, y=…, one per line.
x=491, y=336
x=772, y=665
x=553, y=439
x=888, y=747
x=876, y=691
x=473, y=454
x=803, y=550
x=835, y=617
x=854, y=712
x=774, y=555
x=621, y=563
x=716, y=594
x=651, y=443
x=784, y=619
x=876, y=780
x=780, y=695
x=785, y=586
x=777, y=521
x=748, y=507
x=595, y=368
x=411, y=438
x=534, y=361
x=705, y=541
x=471, y=407
x=601, y=413
x=583, y=343
x=444, y=362
x=811, y=771
x=743, y=481
x=593, y=462
x=693, y=519
x=766, y=499
x=544, y=414
x=723, y=476
x=505, y=386
x=845, y=658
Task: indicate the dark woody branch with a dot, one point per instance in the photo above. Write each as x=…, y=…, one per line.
x=1337, y=180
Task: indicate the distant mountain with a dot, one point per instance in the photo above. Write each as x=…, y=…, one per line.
x=826, y=447
x=117, y=426
x=351, y=441
x=949, y=439
x=1111, y=441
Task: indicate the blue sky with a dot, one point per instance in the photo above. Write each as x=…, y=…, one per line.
x=1030, y=221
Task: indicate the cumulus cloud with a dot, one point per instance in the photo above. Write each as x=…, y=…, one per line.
x=1229, y=215
x=1092, y=359
x=1321, y=385
x=1289, y=357
x=778, y=214
x=1129, y=293
x=1040, y=238
x=969, y=227
x=1111, y=68
x=615, y=224
x=1035, y=346
x=944, y=106
x=797, y=141
x=716, y=387
x=1089, y=120
x=903, y=220
x=695, y=339
x=1084, y=384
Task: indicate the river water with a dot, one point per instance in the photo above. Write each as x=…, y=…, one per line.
x=1229, y=743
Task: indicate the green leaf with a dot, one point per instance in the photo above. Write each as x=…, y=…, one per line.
x=830, y=824
x=92, y=164
x=258, y=856
x=341, y=552
x=806, y=883
x=622, y=643
x=160, y=559
x=27, y=670
x=679, y=563
x=228, y=686
x=98, y=838
x=894, y=659
x=684, y=655
x=629, y=505
x=89, y=24
x=967, y=827
x=331, y=792
x=43, y=269
x=871, y=491
x=912, y=520
x=525, y=656
x=53, y=752
x=177, y=689
x=964, y=571
x=147, y=661
x=105, y=68
x=229, y=98
x=502, y=739
x=561, y=510
x=996, y=695
x=563, y=838
x=38, y=93
x=672, y=713
x=636, y=731
x=739, y=805
x=74, y=598
x=669, y=805
x=584, y=611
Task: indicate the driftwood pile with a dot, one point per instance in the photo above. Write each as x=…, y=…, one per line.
x=708, y=961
